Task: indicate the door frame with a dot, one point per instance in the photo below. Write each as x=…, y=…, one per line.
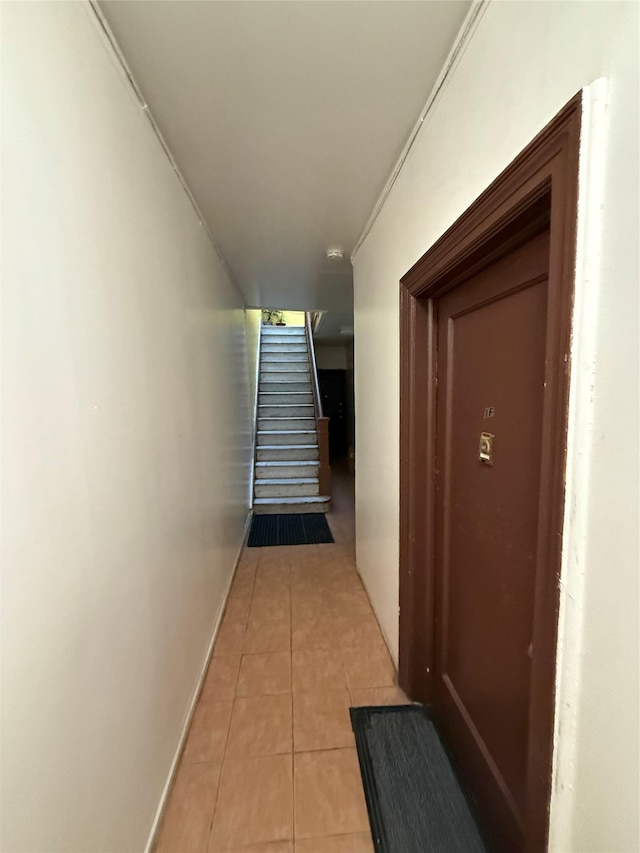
x=539, y=188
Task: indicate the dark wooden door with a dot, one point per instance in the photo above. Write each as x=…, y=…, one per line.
x=333, y=393
x=491, y=343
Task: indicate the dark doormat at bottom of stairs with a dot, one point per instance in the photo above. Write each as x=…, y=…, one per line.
x=308, y=528
x=415, y=801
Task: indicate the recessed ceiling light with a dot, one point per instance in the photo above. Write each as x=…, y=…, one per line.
x=335, y=253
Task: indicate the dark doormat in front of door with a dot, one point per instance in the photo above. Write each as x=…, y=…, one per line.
x=415, y=801
x=309, y=528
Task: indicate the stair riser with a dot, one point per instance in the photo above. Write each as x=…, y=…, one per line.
x=281, y=471
x=285, y=399
x=299, y=490
x=280, y=386
x=279, y=509
x=296, y=369
x=286, y=347
x=287, y=438
x=276, y=344
x=287, y=454
x=283, y=358
x=284, y=341
x=286, y=423
x=285, y=411
x=283, y=331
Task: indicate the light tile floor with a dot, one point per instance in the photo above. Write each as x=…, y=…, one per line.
x=270, y=764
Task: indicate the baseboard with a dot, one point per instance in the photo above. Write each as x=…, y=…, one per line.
x=157, y=820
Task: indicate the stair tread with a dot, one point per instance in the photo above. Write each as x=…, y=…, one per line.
x=286, y=432
x=285, y=418
x=300, y=499
x=288, y=447
x=290, y=463
x=287, y=481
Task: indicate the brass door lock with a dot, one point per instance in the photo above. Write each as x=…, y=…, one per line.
x=485, y=454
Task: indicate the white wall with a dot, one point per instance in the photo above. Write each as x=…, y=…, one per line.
x=126, y=446
x=522, y=64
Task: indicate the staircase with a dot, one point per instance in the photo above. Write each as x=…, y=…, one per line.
x=287, y=459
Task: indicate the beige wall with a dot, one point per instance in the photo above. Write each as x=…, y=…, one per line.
x=125, y=439
x=293, y=318
x=522, y=64
x=330, y=357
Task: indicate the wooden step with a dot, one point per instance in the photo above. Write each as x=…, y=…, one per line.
x=287, y=453
x=283, y=346
x=286, y=410
x=277, y=398
x=278, y=506
x=283, y=358
x=293, y=368
x=276, y=436
x=295, y=424
x=283, y=384
x=283, y=332
x=281, y=468
x=286, y=487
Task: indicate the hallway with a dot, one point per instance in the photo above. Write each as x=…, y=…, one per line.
x=270, y=764
x=170, y=171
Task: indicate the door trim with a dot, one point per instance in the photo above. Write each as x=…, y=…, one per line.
x=538, y=189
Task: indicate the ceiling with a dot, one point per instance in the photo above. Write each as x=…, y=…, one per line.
x=286, y=119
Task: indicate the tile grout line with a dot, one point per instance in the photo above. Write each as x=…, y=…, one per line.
x=318, y=558
x=293, y=781
x=347, y=687
x=226, y=742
